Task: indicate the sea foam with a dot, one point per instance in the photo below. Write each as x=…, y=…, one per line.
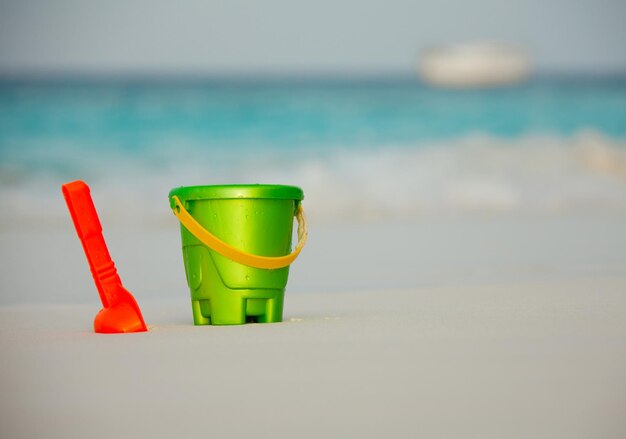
x=473, y=173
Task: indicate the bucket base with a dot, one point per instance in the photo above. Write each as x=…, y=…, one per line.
x=237, y=307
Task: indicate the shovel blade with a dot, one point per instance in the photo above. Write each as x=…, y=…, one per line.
x=122, y=317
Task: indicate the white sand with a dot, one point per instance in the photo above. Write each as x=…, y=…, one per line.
x=491, y=326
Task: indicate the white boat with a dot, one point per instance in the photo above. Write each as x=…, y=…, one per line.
x=474, y=65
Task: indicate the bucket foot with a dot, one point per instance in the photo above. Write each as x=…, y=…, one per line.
x=273, y=312
x=201, y=312
x=228, y=309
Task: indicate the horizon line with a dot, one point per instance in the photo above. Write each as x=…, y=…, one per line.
x=79, y=76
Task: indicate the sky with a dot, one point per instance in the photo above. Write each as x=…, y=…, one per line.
x=288, y=37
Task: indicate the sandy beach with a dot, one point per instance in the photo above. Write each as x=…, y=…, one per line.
x=463, y=174
x=487, y=325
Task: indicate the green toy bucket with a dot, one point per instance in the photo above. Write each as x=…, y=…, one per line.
x=237, y=249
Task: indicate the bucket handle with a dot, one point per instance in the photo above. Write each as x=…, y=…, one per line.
x=256, y=261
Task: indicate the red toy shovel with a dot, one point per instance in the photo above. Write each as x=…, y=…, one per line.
x=121, y=312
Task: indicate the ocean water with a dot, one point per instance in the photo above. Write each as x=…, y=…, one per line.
x=359, y=149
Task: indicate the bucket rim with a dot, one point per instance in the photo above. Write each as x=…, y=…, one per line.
x=237, y=191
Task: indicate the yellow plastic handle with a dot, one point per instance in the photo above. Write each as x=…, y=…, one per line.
x=213, y=242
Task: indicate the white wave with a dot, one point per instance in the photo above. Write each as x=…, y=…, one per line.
x=476, y=173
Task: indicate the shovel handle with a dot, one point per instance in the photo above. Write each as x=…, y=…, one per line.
x=89, y=230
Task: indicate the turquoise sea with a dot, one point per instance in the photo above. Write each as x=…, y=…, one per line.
x=386, y=147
